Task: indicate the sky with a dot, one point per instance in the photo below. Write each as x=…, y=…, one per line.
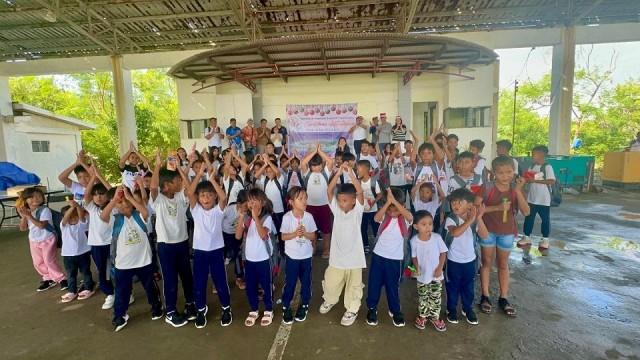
x=525, y=63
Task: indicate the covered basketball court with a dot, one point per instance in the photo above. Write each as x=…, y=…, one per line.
x=247, y=58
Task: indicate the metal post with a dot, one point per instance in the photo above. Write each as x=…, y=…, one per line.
x=513, y=125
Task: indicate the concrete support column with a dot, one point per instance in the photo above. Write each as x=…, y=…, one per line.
x=123, y=91
x=6, y=110
x=256, y=101
x=405, y=104
x=562, y=68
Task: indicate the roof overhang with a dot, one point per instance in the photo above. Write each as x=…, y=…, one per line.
x=30, y=109
x=328, y=54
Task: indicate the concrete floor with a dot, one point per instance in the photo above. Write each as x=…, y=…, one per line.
x=581, y=302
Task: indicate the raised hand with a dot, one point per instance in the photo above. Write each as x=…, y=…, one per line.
x=473, y=213
x=158, y=158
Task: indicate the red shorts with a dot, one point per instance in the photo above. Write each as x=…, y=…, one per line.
x=322, y=216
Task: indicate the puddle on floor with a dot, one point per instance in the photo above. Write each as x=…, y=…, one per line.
x=603, y=303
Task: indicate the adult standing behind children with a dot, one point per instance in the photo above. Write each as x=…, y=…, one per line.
x=213, y=134
x=234, y=134
x=384, y=132
x=250, y=137
x=359, y=133
x=283, y=132
x=263, y=136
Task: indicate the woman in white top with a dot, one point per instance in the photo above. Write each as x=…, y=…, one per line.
x=399, y=133
x=359, y=133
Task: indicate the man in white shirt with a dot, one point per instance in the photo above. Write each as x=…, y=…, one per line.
x=359, y=133
x=213, y=134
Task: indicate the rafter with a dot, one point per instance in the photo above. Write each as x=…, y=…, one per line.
x=323, y=5
x=408, y=19
x=117, y=33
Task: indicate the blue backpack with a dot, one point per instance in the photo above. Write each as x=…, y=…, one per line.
x=53, y=226
x=118, y=222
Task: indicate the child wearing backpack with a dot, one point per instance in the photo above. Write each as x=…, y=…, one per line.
x=539, y=199
x=76, y=252
x=131, y=255
x=388, y=255
x=271, y=184
x=479, y=162
x=232, y=179
x=425, y=197
x=232, y=246
x=132, y=164
x=316, y=177
x=502, y=201
x=298, y=233
x=464, y=225
x=466, y=176
x=170, y=205
x=255, y=226
x=428, y=255
x=38, y=219
x=96, y=198
x=346, y=259
x=372, y=194
x=207, y=202
x=294, y=174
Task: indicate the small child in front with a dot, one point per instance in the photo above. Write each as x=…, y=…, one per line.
x=428, y=254
x=131, y=253
x=346, y=257
x=386, y=262
x=75, y=252
x=299, y=235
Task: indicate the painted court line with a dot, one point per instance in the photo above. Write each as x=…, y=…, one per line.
x=284, y=331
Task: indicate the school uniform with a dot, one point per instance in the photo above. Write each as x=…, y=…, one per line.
x=75, y=255
x=299, y=253
x=132, y=257
x=231, y=244
x=461, y=268
x=99, y=240
x=370, y=210
x=173, y=247
x=42, y=245
x=208, y=255
x=539, y=199
x=318, y=201
x=386, y=263
x=257, y=264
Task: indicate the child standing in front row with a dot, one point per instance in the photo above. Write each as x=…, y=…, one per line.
x=346, y=257
x=299, y=235
x=254, y=226
x=37, y=218
x=462, y=225
x=428, y=254
x=75, y=252
x=208, y=246
x=131, y=254
x=386, y=262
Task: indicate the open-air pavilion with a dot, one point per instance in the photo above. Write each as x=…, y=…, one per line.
x=414, y=58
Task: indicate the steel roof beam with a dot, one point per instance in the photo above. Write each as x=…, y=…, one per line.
x=408, y=20
x=320, y=6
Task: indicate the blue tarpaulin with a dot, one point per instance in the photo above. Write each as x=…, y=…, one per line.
x=12, y=175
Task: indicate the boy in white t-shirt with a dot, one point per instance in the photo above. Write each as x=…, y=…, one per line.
x=366, y=154
x=131, y=254
x=75, y=252
x=81, y=170
x=386, y=261
x=207, y=202
x=170, y=205
x=346, y=258
x=428, y=254
x=463, y=225
x=272, y=184
x=425, y=197
x=480, y=163
x=213, y=134
x=539, y=198
x=372, y=194
x=132, y=164
x=298, y=232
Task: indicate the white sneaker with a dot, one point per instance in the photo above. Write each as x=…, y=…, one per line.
x=543, y=245
x=131, y=299
x=108, y=302
x=524, y=241
x=326, y=307
x=348, y=318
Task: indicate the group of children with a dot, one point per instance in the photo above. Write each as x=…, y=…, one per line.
x=434, y=214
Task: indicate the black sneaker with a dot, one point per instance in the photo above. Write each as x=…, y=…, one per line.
x=201, y=318
x=175, y=319
x=227, y=316
x=367, y=250
x=64, y=285
x=372, y=317
x=398, y=320
x=190, y=312
x=157, y=313
x=301, y=314
x=452, y=317
x=471, y=317
x=46, y=285
x=287, y=316
x=120, y=322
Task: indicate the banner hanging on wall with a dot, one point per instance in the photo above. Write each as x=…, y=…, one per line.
x=319, y=123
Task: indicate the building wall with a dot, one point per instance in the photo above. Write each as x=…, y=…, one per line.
x=64, y=144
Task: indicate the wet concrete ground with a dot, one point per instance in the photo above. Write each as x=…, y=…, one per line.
x=580, y=302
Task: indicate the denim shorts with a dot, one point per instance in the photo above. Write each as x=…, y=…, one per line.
x=502, y=241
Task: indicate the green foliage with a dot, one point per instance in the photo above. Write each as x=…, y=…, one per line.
x=90, y=97
x=605, y=117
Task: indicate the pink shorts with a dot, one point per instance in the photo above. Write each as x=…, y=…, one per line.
x=322, y=216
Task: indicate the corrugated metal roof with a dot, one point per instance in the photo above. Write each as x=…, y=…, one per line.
x=31, y=29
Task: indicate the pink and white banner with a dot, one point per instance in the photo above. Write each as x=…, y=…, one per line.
x=319, y=123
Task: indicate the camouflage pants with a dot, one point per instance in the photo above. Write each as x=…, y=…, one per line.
x=430, y=299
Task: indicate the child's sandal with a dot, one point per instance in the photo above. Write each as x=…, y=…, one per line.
x=507, y=307
x=85, y=294
x=485, y=305
x=267, y=318
x=421, y=322
x=251, y=319
x=68, y=297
